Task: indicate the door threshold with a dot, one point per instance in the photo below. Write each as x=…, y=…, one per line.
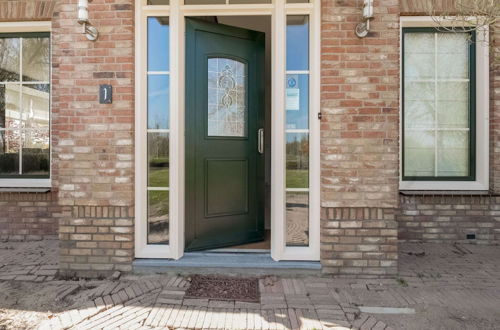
x=226, y=263
x=243, y=251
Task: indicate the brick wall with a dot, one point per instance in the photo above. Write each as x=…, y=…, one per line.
x=449, y=218
x=26, y=10
x=29, y=216
x=96, y=240
x=93, y=149
x=359, y=139
x=359, y=241
x=359, y=103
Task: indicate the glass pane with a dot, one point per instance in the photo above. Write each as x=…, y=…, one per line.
x=297, y=42
x=239, y=2
x=297, y=160
x=158, y=2
x=158, y=102
x=453, y=56
x=419, y=153
x=297, y=218
x=453, y=91
x=36, y=154
x=453, y=153
x=158, y=159
x=419, y=66
x=36, y=59
x=9, y=106
x=9, y=152
x=419, y=114
x=158, y=44
x=453, y=43
x=297, y=101
x=158, y=217
x=35, y=106
x=9, y=59
x=453, y=114
x=227, y=97
x=419, y=91
x=419, y=43
x=204, y=2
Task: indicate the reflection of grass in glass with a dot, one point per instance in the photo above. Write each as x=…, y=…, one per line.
x=158, y=203
x=297, y=178
x=158, y=177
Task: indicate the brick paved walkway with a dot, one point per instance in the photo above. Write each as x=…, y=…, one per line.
x=448, y=287
x=29, y=261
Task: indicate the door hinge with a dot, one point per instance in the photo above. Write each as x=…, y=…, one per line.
x=320, y=115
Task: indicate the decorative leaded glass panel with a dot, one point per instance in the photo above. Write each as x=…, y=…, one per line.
x=227, y=104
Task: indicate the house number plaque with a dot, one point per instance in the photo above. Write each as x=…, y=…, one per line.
x=105, y=94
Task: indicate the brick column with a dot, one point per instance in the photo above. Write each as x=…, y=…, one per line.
x=93, y=145
x=359, y=139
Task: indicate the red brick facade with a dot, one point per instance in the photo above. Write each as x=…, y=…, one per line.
x=91, y=204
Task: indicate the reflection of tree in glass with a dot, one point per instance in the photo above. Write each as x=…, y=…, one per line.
x=35, y=59
x=297, y=151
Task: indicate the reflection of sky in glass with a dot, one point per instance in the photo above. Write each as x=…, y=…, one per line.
x=158, y=101
x=298, y=119
x=158, y=41
x=297, y=43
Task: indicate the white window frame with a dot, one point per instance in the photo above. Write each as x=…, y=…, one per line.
x=482, y=113
x=23, y=27
x=177, y=12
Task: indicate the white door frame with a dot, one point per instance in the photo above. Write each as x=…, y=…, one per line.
x=177, y=13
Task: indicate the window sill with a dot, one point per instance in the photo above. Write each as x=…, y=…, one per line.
x=446, y=193
x=14, y=184
x=446, y=186
x=25, y=190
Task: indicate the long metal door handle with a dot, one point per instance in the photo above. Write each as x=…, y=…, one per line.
x=260, y=137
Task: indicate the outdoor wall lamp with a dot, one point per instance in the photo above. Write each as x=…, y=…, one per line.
x=363, y=28
x=83, y=18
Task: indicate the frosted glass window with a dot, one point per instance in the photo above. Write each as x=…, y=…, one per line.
x=437, y=104
x=227, y=97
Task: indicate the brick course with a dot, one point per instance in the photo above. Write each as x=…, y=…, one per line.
x=29, y=216
x=96, y=240
x=359, y=241
x=444, y=218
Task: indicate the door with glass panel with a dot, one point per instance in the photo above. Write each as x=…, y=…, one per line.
x=224, y=135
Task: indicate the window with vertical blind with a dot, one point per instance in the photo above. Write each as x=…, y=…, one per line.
x=439, y=105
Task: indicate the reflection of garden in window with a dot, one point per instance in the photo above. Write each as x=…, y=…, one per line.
x=158, y=130
x=24, y=105
x=297, y=161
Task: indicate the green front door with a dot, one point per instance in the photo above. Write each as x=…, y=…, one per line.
x=224, y=115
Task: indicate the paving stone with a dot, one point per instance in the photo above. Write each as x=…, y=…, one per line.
x=220, y=304
x=25, y=278
x=195, y=302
